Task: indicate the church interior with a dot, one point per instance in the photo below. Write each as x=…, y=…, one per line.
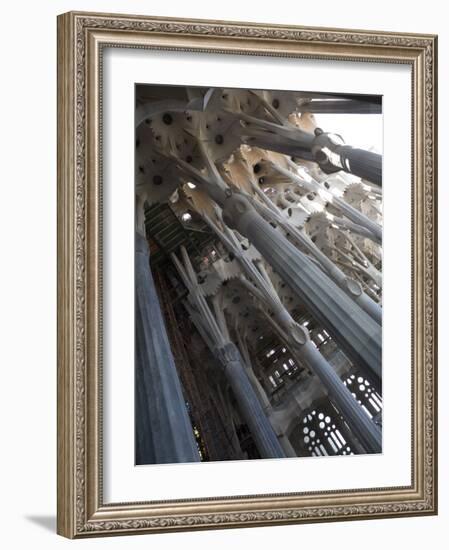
x=258, y=274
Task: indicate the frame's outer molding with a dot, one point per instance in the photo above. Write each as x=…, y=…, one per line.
x=66, y=285
x=81, y=511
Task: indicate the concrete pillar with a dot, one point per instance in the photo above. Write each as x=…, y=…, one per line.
x=163, y=429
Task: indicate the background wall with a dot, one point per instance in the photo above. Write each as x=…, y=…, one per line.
x=28, y=272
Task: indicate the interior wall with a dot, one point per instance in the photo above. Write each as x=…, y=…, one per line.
x=28, y=274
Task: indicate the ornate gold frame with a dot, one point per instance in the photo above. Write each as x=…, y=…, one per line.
x=81, y=37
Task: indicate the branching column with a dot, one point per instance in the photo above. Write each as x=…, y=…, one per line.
x=355, y=331
x=298, y=340
x=353, y=215
x=216, y=337
x=348, y=285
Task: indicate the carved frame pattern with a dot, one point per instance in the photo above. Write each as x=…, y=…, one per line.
x=81, y=37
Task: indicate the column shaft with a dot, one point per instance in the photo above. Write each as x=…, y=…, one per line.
x=264, y=436
x=358, y=334
x=365, y=164
x=163, y=429
x=366, y=431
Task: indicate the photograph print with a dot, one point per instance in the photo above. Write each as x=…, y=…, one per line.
x=258, y=274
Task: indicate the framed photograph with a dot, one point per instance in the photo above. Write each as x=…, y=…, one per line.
x=246, y=274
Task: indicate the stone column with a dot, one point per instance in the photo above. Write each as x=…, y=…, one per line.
x=353, y=329
x=263, y=398
x=163, y=429
x=364, y=164
x=353, y=215
x=351, y=287
x=366, y=431
x=358, y=218
x=215, y=335
x=264, y=436
x=333, y=154
x=298, y=341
